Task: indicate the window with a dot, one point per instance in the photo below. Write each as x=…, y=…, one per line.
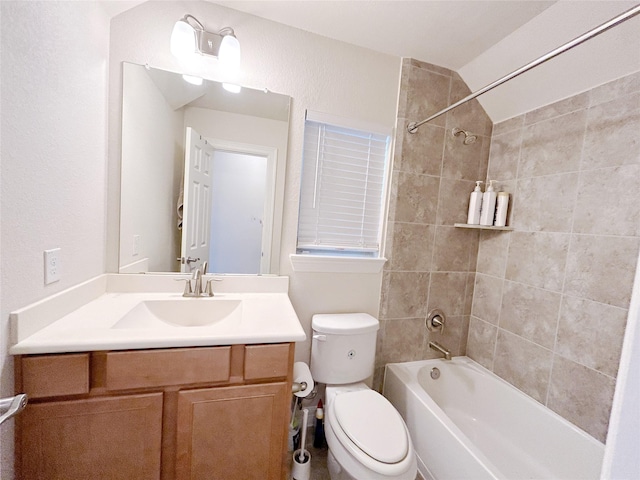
x=344, y=176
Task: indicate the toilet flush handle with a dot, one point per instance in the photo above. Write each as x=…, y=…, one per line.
x=320, y=338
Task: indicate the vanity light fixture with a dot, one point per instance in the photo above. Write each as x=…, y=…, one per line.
x=193, y=80
x=189, y=38
x=232, y=87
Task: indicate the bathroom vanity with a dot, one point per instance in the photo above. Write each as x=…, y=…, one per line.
x=109, y=404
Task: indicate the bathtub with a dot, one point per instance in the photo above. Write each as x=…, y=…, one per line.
x=471, y=424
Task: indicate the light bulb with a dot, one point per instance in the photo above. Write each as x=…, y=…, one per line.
x=193, y=80
x=229, y=54
x=183, y=39
x=231, y=87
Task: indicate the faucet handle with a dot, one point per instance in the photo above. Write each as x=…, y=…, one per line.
x=187, y=286
x=209, y=290
x=435, y=321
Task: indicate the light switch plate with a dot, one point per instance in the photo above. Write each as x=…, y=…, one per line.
x=51, y=266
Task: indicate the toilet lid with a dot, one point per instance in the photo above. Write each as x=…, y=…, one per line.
x=372, y=424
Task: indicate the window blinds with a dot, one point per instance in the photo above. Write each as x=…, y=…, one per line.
x=343, y=182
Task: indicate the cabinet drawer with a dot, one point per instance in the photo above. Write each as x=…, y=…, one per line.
x=55, y=375
x=155, y=368
x=266, y=361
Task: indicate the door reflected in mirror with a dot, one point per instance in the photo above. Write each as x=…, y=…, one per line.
x=202, y=175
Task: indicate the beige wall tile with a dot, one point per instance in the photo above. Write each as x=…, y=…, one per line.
x=552, y=146
x=509, y=125
x=417, y=199
x=487, y=297
x=463, y=161
x=468, y=116
x=568, y=105
x=617, y=88
x=591, y=333
x=431, y=67
x=455, y=328
x=468, y=298
x=523, y=364
x=412, y=247
x=447, y=292
x=464, y=334
x=612, y=133
x=424, y=194
x=600, y=268
x=545, y=203
x=385, y=288
x=492, y=253
x=585, y=246
x=422, y=152
x=582, y=396
x=481, y=342
x=405, y=72
x=453, y=204
x=608, y=201
x=538, y=259
x=428, y=93
x=403, y=340
x=407, y=295
x=504, y=156
x=454, y=248
x=531, y=313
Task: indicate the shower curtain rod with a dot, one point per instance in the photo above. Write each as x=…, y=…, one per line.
x=413, y=126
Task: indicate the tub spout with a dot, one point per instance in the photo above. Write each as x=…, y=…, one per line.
x=439, y=348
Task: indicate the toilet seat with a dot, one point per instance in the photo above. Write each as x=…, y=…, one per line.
x=371, y=429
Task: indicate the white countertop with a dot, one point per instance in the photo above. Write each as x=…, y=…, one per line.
x=81, y=318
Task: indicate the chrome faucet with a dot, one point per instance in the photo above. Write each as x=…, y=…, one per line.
x=198, y=289
x=197, y=276
x=439, y=348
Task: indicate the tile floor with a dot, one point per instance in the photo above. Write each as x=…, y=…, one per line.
x=319, y=469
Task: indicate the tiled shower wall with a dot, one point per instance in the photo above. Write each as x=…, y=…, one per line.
x=551, y=297
x=430, y=264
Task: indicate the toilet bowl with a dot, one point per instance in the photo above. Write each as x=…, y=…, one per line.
x=366, y=436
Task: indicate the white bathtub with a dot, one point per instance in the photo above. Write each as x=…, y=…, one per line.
x=471, y=424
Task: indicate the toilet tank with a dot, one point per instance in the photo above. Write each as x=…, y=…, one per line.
x=343, y=347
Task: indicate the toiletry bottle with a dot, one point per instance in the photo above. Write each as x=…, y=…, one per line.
x=475, y=203
x=318, y=439
x=501, y=209
x=488, y=209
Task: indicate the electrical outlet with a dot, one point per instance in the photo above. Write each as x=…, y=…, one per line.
x=136, y=245
x=51, y=266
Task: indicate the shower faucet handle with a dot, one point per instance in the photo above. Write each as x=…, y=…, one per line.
x=435, y=321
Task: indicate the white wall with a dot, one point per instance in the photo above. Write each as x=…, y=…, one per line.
x=318, y=73
x=153, y=142
x=54, y=59
x=613, y=54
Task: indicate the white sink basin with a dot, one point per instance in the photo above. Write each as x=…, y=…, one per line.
x=183, y=312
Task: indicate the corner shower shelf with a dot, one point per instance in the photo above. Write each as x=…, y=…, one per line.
x=481, y=227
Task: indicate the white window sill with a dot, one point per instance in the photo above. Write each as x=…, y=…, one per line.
x=335, y=264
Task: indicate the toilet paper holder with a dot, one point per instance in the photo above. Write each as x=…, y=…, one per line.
x=302, y=383
x=298, y=387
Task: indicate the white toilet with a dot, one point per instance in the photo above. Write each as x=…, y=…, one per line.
x=367, y=437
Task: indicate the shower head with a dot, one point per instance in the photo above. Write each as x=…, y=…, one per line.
x=469, y=137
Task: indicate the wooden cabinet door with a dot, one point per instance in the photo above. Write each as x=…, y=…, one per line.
x=232, y=433
x=99, y=438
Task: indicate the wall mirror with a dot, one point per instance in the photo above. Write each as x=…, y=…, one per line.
x=202, y=175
